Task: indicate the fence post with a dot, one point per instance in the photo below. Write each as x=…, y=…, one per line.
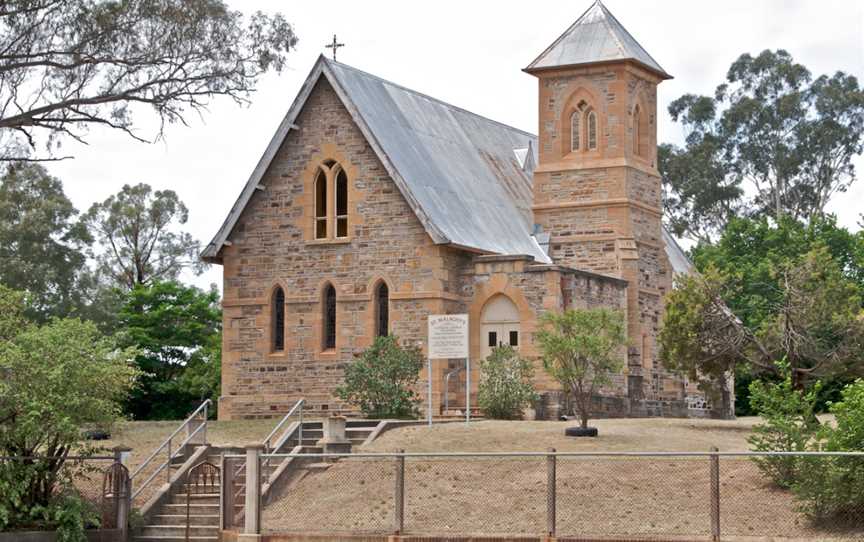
x=715, y=494
x=400, y=492
x=252, y=527
x=551, y=492
x=226, y=492
x=123, y=494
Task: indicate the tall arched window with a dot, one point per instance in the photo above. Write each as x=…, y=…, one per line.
x=320, y=205
x=341, y=204
x=382, y=310
x=575, y=130
x=636, y=135
x=329, y=327
x=277, y=318
x=592, y=131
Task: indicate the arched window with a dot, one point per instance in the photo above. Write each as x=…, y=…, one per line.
x=636, y=136
x=329, y=327
x=320, y=205
x=592, y=131
x=382, y=310
x=278, y=320
x=575, y=130
x=341, y=204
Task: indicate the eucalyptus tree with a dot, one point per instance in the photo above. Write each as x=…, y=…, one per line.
x=140, y=232
x=43, y=245
x=771, y=141
x=69, y=65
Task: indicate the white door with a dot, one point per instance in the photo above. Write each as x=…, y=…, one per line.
x=499, y=325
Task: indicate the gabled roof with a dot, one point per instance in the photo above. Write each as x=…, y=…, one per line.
x=467, y=178
x=457, y=170
x=681, y=264
x=595, y=37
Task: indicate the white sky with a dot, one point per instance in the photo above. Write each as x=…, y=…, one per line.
x=468, y=53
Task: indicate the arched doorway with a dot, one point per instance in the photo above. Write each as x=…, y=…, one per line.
x=499, y=324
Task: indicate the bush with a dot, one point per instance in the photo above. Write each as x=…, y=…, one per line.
x=55, y=381
x=63, y=508
x=834, y=486
x=505, y=384
x=381, y=382
x=790, y=425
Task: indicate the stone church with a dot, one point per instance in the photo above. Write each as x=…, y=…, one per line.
x=375, y=206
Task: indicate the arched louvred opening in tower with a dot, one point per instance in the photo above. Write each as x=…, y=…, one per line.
x=277, y=318
x=592, y=131
x=637, y=139
x=341, y=204
x=575, y=130
x=320, y=205
x=329, y=318
x=382, y=310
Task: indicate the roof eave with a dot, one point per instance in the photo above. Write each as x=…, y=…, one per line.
x=659, y=73
x=212, y=253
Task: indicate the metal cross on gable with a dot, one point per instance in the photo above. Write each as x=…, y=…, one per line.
x=334, y=45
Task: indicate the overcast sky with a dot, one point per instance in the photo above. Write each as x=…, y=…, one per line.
x=468, y=53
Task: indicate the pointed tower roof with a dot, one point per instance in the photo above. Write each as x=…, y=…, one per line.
x=595, y=37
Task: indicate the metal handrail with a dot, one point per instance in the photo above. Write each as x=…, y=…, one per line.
x=176, y=450
x=299, y=404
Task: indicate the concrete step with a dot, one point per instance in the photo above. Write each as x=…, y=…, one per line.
x=209, y=520
x=180, y=530
x=363, y=423
x=196, y=508
x=209, y=498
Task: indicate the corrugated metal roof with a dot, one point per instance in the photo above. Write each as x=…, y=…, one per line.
x=464, y=175
x=596, y=36
x=458, y=166
x=681, y=264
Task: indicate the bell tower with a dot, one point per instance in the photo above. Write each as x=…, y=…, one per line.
x=597, y=191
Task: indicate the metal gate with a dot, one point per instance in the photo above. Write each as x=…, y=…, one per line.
x=115, y=495
x=203, y=479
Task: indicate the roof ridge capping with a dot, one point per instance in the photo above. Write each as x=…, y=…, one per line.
x=424, y=95
x=596, y=37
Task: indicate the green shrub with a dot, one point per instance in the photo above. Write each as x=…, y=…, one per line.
x=72, y=515
x=63, y=509
x=382, y=380
x=833, y=487
x=505, y=384
x=789, y=425
x=55, y=381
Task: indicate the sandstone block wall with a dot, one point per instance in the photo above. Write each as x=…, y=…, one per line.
x=272, y=245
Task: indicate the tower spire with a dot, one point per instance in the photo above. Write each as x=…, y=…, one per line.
x=596, y=36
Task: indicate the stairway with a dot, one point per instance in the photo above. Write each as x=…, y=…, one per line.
x=168, y=524
x=357, y=432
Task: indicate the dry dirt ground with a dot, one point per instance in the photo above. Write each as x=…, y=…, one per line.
x=629, y=435
x=659, y=496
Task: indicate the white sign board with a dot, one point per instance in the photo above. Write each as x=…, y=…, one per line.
x=448, y=336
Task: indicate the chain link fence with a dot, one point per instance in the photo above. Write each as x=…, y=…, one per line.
x=593, y=495
x=101, y=482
